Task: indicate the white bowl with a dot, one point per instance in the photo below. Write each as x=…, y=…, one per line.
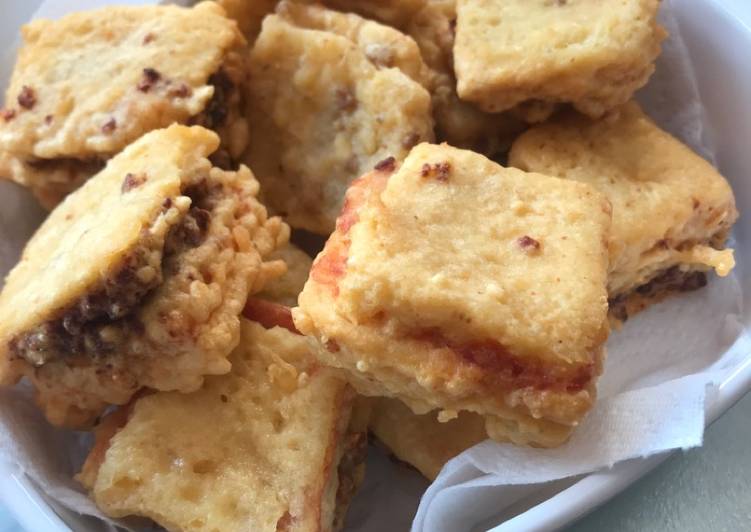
x=718, y=35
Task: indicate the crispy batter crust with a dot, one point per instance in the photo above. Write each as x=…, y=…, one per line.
x=331, y=264
x=89, y=103
x=432, y=24
x=286, y=288
x=436, y=354
x=203, y=237
x=670, y=207
x=396, y=13
x=592, y=54
x=266, y=447
x=426, y=378
x=328, y=112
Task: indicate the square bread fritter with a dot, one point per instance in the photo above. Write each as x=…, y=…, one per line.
x=329, y=107
x=137, y=278
x=422, y=440
x=454, y=283
x=89, y=84
x=672, y=211
x=591, y=53
x=266, y=447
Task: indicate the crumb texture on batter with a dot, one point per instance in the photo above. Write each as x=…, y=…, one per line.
x=672, y=211
x=260, y=448
x=138, y=278
x=286, y=288
x=589, y=53
x=452, y=282
x=328, y=112
x=102, y=78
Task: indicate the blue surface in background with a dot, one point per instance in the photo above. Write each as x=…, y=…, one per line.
x=7, y=523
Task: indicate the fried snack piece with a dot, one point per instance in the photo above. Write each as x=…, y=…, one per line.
x=454, y=283
x=248, y=14
x=592, y=53
x=263, y=448
x=286, y=288
x=671, y=210
x=384, y=46
x=396, y=13
x=423, y=441
x=459, y=123
x=138, y=278
x=89, y=84
x=327, y=113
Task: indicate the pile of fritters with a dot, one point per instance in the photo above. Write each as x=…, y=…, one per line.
x=162, y=305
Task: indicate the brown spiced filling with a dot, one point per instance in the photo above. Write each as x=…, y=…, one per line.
x=215, y=114
x=93, y=326
x=70, y=166
x=670, y=280
x=53, y=179
x=218, y=114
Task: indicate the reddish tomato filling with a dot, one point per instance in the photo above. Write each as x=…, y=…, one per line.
x=509, y=370
x=269, y=314
x=331, y=265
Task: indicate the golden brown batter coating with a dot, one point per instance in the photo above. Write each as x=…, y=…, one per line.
x=89, y=84
x=454, y=283
x=138, y=278
x=263, y=448
x=327, y=112
x=592, y=53
x=671, y=210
